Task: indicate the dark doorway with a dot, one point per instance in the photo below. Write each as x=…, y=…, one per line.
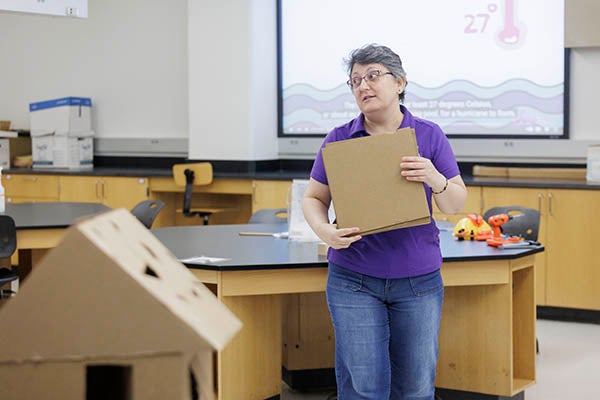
x=108, y=382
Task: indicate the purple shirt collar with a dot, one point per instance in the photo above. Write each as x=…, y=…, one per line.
x=357, y=126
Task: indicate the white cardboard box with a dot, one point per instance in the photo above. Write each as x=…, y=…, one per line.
x=593, y=163
x=62, y=151
x=63, y=116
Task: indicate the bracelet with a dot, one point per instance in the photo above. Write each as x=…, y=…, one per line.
x=443, y=190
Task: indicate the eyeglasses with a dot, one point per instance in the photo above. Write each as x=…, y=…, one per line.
x=371, y=76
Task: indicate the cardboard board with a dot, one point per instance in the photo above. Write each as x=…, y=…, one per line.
x=366, y=187
x=111, y=294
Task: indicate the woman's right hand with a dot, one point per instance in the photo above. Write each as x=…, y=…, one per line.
x=338, y=238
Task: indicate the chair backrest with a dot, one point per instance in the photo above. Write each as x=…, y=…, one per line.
x=146, y=211
x=269, y=216
x=525, y=222
x=8, y=236
x=202, y=173
x=190, y=175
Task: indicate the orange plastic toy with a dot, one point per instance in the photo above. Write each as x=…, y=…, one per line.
x=496, y=221
x=472, y=227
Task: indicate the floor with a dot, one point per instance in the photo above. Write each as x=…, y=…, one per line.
x=568, y=365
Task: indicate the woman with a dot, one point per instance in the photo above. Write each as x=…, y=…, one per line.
x=385, y=290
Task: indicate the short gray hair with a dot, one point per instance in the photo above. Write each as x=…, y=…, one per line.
x=377, y=54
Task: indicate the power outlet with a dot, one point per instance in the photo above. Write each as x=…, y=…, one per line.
x=71, y=12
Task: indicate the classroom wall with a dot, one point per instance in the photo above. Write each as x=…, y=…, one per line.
x=129, y=56
x=232, y=80
x=199, y=77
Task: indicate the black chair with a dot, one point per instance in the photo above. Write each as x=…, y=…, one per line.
x=525, y=222
x=146, y=211
x=269, y=216
x=8, y=245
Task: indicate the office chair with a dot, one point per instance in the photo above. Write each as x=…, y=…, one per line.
x=190, y=175
x=8, y=245
x=526, y=221
x=146, y=211
x=269, y=216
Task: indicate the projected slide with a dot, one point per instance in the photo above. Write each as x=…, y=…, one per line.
x=474, y=67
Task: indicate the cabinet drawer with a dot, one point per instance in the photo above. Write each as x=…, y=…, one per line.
x=31, y=186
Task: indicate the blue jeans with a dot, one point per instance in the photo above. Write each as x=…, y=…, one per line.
x=386, y=333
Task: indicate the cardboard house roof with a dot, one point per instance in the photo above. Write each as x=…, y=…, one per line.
x=111, y=288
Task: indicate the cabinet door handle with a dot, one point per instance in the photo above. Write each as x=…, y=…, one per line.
x=540, y=197
x=550, y=197
x=97, y=191
x=103, y=189
x=30, y=178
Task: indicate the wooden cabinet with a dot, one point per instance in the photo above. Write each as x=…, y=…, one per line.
x=270, y=194
x=472, y=206
x=30, y=188
x=566, y=273
x=573, y=229
x=308, y=338
x=86, y=189
x=115, y=192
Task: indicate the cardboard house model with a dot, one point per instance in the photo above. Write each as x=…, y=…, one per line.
x=111, y=314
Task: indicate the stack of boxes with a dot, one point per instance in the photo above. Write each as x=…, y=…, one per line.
x=61, y=133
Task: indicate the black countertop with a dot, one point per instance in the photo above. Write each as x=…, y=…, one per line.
x=266, y=252
x=50, y=215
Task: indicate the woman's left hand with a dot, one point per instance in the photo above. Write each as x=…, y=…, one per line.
x=420, y=169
